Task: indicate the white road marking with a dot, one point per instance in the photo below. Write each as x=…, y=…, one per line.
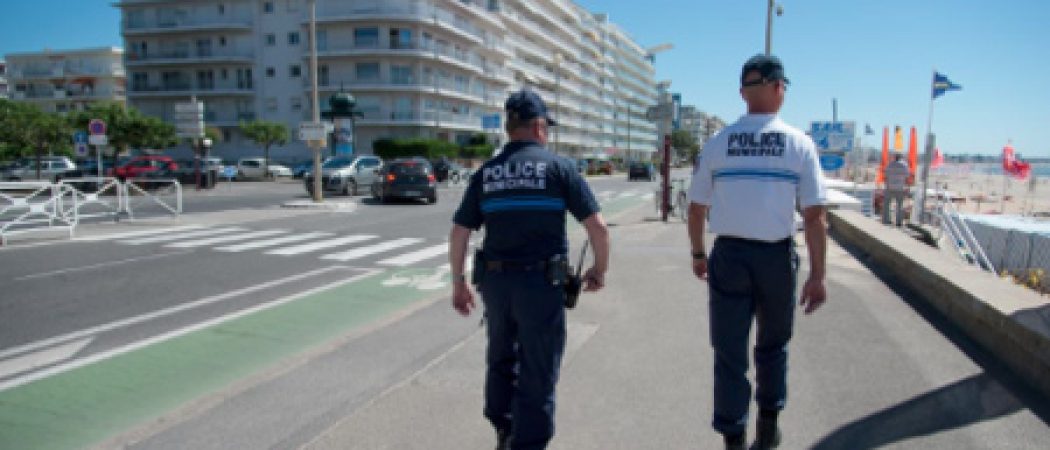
x=97, y=266
x=50, y=356
x=416, y=256
x=626, y=194
x=372, y=249
x=229, y=238
x=605, y=194
x=272, y=242
x=77, y=363
x=160, y=313
x=140, y=233
x=181, y=236
x=648, y=196
x=300, y=249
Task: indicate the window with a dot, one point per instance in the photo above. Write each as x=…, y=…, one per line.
x=400, y=38
x=244, y=79
x=322, y=40
x=139, y=81
x=222, y=9
x=296, y=104
x=366, y=37
x=225, y=74
x=271, y=72
x=222, y=41
x=401, y=75
x=205, y=80
x=295, y=71
x=271, y=39
x=268, y=7
x=367, y=71
x=322, y=75
x=293, y=38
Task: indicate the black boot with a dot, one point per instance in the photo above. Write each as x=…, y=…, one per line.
x=735, y=442
x=768, y=433
x=502, y=439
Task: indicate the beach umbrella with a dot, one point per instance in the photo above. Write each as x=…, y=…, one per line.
x=913, y=152
x=938, y=158
x=881, y=176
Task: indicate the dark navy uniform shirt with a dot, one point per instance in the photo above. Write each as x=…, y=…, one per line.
x=521, y=196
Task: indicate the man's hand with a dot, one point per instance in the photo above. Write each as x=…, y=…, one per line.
x=593, y=279
x=700, y=268
x=813, y=294
x=462, y=298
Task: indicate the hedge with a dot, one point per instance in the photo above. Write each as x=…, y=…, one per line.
x=428, y=148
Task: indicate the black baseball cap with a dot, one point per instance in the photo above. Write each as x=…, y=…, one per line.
x=768, y=66
x=525, y=105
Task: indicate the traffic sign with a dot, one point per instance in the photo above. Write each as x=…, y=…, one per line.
x=80, y=137
x=229, y=171
x=832, y=162
x=97, y=127
x=833, y=136
x=98, y=139
x=189, y=119
x=311, y=131
x=81, y=149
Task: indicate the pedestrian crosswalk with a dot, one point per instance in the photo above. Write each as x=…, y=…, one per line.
x=360, y=248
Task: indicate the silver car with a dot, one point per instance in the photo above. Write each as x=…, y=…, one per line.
x=346, y=174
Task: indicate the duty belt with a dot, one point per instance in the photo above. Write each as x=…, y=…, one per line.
x=515, y=266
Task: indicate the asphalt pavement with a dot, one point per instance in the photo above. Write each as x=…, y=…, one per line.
x=247, y=325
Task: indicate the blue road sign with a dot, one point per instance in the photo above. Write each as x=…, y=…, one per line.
x=833, y=136
x=80, y=137
x=229, y=171
x=832, y=162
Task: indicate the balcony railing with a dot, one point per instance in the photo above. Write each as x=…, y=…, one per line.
x=186, y=55
x=393, y=9
x=182, y=22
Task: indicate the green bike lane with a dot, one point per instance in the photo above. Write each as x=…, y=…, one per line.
x=86, y=405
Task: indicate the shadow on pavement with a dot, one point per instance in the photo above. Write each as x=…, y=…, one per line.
x=959, y=404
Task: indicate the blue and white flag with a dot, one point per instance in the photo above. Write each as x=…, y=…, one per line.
x=942, y=84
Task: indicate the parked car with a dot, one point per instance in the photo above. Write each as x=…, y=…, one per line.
x=641, y=171
x=51, y=168
x=406, y=178
x=147, y=166
x=345, y=174
x=599, y=167
x=253, y=168
x=299, y=170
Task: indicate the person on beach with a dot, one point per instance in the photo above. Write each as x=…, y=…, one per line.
x=897, y=174
x=752, y=175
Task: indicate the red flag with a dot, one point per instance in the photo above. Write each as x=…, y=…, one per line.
x=881, y=175
x=938, y=158
x=913, y=152
x=1013, y=166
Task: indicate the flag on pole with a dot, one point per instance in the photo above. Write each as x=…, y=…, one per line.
x=898, y=138
x=1013, y=166
x=867, y=129
x=913, y=153
x=938, y=158
x=942, y=84
x=881, y=175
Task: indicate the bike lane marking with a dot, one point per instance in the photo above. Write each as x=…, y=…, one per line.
x=107, y=396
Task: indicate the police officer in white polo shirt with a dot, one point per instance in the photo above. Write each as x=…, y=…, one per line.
x=749, y=177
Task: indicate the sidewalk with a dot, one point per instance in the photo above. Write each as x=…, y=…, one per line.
x=867, y=370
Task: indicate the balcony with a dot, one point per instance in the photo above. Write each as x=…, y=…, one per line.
x=184, y=24
x=442, y=87
x=420, y=117
x=476, y=9
x=398, y=10
x=186, y=57
x=186, y=89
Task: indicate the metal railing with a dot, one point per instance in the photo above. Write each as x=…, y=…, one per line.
x=27, y=206
x=959, y=232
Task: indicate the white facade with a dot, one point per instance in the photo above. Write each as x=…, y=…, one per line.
x=63, y=81
x=3, y=79
x=417, y=68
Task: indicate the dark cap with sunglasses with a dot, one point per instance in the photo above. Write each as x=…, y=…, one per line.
x=768, y=66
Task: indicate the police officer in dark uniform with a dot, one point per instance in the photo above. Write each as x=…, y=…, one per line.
x=521, y=196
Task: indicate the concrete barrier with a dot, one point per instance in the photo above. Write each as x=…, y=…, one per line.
x=1011, y=321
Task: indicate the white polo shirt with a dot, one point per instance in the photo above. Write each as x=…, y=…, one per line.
x=752, y=172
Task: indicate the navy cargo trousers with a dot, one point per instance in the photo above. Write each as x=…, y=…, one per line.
x=525, y=317
x=750, y=281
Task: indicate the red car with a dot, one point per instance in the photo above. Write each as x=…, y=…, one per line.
x=147, y=166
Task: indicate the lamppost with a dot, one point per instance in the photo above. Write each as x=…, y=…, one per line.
x=316, y=191
x=557, y=98
x=769, y=23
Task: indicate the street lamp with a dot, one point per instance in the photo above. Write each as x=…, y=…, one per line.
x=557, y=97
x=769, y=23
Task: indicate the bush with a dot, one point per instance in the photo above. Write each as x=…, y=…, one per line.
x=428, y=148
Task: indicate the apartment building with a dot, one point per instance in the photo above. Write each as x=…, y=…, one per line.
x=69, y=80
x=3, y=79
x=417, y=68
x=701, y=125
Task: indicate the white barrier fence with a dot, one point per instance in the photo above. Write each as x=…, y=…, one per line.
x=28, y=207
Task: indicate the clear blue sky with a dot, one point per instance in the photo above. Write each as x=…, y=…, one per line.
x=875, y=57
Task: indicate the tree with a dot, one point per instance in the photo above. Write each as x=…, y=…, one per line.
x=24, y=126
x=685, y=143
x=266, y=134
x=126, y=128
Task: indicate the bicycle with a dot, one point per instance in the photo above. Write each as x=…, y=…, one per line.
x=679, y=200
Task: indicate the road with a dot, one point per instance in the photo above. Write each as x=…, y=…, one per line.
x=244, y=325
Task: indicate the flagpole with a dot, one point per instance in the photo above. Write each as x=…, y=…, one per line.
x=929, y=152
